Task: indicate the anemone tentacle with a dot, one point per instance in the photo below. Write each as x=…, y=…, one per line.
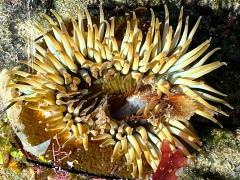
x=81, y=73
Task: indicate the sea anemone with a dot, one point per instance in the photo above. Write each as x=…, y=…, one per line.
x=88, y=85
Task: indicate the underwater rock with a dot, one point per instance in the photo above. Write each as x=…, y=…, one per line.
x=220, y=157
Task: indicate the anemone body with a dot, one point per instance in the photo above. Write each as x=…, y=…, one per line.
x=129, y=93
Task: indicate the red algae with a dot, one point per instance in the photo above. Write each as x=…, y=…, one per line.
x=170, y=163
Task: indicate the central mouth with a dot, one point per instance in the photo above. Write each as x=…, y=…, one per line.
x=127, y=105
x=127, y=108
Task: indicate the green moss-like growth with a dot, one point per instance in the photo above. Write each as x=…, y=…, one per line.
x=43, y=159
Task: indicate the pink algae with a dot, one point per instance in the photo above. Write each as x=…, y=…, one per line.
x=170, y=163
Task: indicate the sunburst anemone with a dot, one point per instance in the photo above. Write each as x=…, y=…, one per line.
x=127, y=94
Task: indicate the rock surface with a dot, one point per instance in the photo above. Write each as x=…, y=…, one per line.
x=221, y=148
x=219, y=158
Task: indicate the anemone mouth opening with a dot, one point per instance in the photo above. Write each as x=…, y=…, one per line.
x=116, y=104
x=124, y=107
